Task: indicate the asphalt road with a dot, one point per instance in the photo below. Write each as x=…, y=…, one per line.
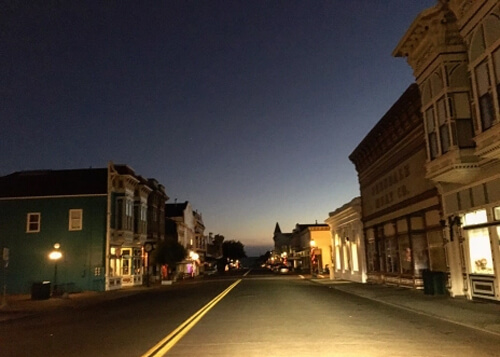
x=255, y=315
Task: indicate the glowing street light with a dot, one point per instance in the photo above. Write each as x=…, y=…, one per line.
x=311, y=254
x=194, y=257
x=55, y=255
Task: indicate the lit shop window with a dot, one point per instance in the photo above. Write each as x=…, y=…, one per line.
x=476, y=217
x=496, y=212
x=33, y=223
x=75, y=219
x=481, y=260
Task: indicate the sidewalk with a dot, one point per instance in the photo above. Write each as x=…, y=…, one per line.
x=20, y=306
x=480, y=315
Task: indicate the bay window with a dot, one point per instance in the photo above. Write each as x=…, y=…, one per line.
x=485, y=98
x=431, y=133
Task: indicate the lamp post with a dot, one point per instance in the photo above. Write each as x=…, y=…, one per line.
x=311, y=254
x=55, y=255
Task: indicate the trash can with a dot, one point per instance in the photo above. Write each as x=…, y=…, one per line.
x=439, y=281
x=434, y=282
x=40, y=290
x=428, y=284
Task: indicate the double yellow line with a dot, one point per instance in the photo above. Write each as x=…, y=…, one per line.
x=162, y=347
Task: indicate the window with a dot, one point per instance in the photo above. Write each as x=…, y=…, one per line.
x=406, y=255
x=481, y=259
x=444, y=132
x=496, y=212
x=463, y=133
x=420, y=256
x=124, y=214
x=75, y=219
x=437, y=256
x=392, y=255
x=431, y=133
x=485, y=98
x=475, y=217
x=33, y=223
x=496, y=63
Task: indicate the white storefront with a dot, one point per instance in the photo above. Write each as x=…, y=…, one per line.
x=345, y=224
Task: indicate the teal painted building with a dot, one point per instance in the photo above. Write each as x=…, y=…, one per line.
x=98, y=218
x=39, y=209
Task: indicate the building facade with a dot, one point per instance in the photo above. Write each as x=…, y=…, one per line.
x=348, y=243
x=311, y=248
x=401, y=209
x=97, y=218
x=189, y=231
x=454, y=50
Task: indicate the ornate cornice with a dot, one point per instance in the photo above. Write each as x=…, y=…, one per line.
x=403, y=117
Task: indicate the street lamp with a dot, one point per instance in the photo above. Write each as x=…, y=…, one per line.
x=55, y=255
x=194, y=257
x=311, y=254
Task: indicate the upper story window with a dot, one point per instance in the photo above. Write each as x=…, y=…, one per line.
x=448, y=123
x=75, y=219
x=140, y=218
x=33, y=222
x=460, y=112
x=431, y=133
x=124, y=214
x=444, y=131
x=485, y=98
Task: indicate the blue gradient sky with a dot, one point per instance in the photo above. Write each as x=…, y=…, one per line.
x=248, y=109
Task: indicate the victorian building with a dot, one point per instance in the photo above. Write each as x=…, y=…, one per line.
x=454, y=50
x=96, y=220
x=186, y=226
x=401, y=208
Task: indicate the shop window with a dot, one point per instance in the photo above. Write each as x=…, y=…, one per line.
x=33, y=222
x=391, y=255
x=496, y=213
x=381, y=255
x=126, y=261
x=481, y=260
x=485, y=97
x=420, y=255
x=371, y=253
x=437, y=256
x=347, y=260
x=75, y=219
x=137, y=261
x=406, y=255
x=476, y=217
x=354, y=253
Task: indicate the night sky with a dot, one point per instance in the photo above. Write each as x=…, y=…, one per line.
x=247, y=109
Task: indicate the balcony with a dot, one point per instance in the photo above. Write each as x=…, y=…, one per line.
x=488, y=143
x=456, y=166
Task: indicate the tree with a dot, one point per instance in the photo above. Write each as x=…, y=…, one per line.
x=169, y=252
x=233, y=250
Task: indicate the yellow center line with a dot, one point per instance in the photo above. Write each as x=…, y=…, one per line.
x=162, y=347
